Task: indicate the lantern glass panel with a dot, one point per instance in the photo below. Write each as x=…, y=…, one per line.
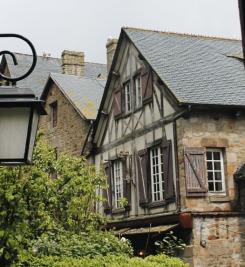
x=34, y=126
x=14, y=124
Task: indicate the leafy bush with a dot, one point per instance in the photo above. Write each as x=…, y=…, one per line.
x=107, y=261
x=170, y=244
x=33, y=205
x=78, y=245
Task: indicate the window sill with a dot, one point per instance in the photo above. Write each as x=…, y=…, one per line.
x=217, y=198
x=118, y=210
x=157, y=204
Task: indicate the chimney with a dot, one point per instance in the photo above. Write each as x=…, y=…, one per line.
x=111, y=46
x=73, y=63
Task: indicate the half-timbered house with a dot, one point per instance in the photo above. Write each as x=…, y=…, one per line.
x=170, y=135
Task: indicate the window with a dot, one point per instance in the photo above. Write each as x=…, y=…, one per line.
x=53, y=113
x=138, y=91
x=215, y=170
x=157, y=175
x=128, y=100
x=118, y=182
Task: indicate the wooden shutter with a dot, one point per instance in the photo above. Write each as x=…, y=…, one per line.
x=117, y=102
x=143, y=163
x=147, y=85
x=195, y=171
x=127, y=180
x=168, y=171
x=107, y=193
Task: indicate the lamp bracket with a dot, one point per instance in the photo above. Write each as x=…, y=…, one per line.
x=6, y=52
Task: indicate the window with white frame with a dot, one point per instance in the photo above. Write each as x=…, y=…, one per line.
x=215, y=170
x=118, y=182
x=138, y=91
x=128, y=97
x=157, y=175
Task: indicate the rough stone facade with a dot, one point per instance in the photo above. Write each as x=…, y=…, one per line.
x=218, y=234
x=70, y=133
x=219, y=241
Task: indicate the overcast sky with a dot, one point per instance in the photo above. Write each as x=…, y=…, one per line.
x=85, y=25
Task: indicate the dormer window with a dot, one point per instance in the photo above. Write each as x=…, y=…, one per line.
x=128, y=97
x=138, y=91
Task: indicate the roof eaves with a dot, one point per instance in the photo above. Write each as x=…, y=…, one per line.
x=213, y=106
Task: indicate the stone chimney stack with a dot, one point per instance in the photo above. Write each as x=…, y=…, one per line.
x=111, y=48
x=73, y=63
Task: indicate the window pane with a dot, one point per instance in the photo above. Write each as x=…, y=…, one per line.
x=210, y=176
x=209, y=155
x=211, y=186
x=218, y=186
x=217, y=165
x=216, y=155
x=209, y=165
x=218, y=176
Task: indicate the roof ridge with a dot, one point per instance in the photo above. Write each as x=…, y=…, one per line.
x=18, y=53
x=76, y=76
x=183, y=34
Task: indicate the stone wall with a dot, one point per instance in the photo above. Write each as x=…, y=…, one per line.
x=215, y=129
x=218, y=241
x=70, y=133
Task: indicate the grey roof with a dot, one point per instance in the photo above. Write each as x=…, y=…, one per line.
x=197, y=69
x=84, y=93
x=37, y=79
x=46, y=65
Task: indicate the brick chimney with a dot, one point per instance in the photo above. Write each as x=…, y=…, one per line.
x=73, y=63
x=111, y=48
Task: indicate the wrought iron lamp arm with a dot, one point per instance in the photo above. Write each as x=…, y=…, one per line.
x=34, y=57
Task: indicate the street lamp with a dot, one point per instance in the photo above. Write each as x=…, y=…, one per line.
x=19, y=115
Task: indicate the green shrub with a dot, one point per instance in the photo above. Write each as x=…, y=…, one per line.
x=33, y=205
x=107, y=261
x=89, y=244
x=170, y=245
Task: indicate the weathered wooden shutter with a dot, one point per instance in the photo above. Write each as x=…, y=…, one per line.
x=142, y=161
x=147, y=85
x=195, y=171
x=168, y=170
x=127, y=180
x=118, y=102
x=107, y=193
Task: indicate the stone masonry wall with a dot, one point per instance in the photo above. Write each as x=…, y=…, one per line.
x=215, y=129
x=219, y=241
x=71, y=130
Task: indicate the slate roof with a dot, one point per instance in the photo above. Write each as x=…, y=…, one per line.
x=45, y=65
x=197, y=69
x=84, y=93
